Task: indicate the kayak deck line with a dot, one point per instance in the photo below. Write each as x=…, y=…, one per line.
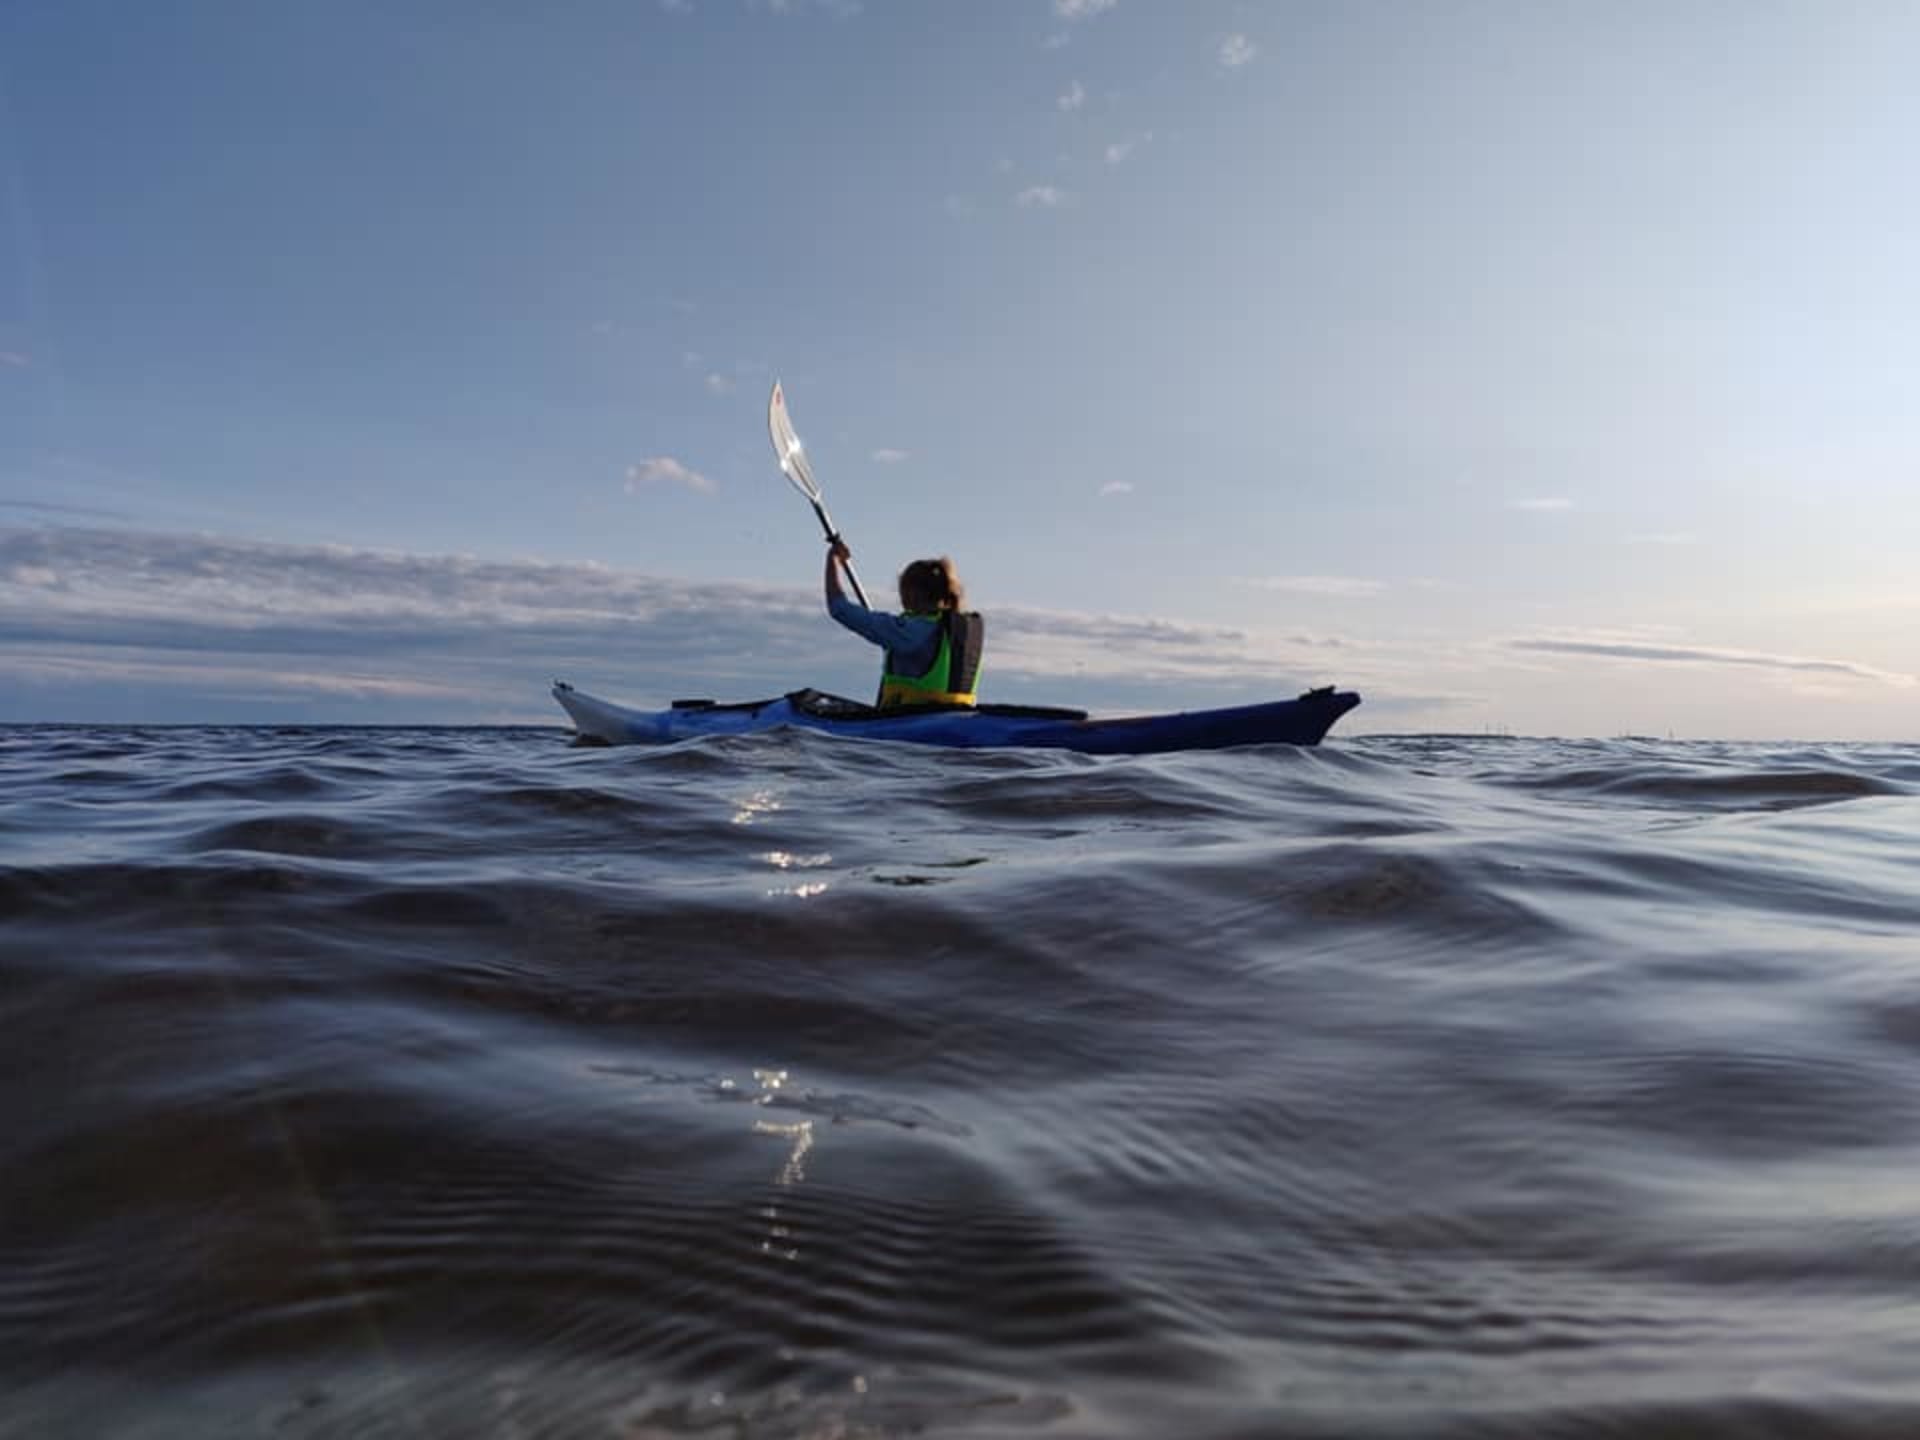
x=1302, y=721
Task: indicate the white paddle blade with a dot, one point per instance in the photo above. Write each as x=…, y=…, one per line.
x=786, y=445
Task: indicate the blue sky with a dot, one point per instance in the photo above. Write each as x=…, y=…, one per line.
x=1550, y=367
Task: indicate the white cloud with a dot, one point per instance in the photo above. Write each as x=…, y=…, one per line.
x=1045, y=197
x=1119, y=151
x=1542, y=502
x=958, y=206
x=718, y=384
x=884, y=456
x=1237, y=50
x=1059, y=40
x=665, y=470
x=1082, y=9
x=15, y=360
x=1117, y=487
x=1074, y=98
x=838, y=9
x=1344, y=587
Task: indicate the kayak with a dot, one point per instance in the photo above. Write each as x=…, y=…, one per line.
x=1280, y=722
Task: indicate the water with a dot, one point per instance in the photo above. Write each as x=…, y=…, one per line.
x=449, y=1083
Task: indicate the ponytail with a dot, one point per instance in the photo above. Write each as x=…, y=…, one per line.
x=931, y=585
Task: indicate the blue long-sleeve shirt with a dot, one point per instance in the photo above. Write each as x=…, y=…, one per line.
x=911, y=640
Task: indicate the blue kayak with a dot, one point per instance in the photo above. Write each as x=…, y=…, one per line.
x=1280, y=722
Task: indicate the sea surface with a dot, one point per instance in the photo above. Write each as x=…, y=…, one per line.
x=421, y=1083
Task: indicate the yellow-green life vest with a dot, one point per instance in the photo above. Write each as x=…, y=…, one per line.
x=950, y=680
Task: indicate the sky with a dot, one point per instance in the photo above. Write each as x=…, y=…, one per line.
x=1544, y=368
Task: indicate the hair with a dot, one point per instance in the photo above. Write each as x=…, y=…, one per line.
x=931, y=585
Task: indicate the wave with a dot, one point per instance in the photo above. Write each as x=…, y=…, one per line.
x=366, y=1083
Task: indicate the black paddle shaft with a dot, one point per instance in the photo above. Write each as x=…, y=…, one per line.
x=833, y=536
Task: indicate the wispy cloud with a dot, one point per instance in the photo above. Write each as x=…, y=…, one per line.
x=48, y=507
x=1082, y=9
x=1118, y=151
x=1059, y=40
x=718, y=384
x=116, y=623
x=1051, y=644
x=445, y=636
x=1117, y=487
x=1044, y=197
x=198, y=626
x=1637, y=650
x=665, y=470
x=677, y=7
x=1541, y=502
x=884, y=456
x=1345, y=587
x=220, y=587
x=1074, y=98
x=15, y=360
x=1237, y=50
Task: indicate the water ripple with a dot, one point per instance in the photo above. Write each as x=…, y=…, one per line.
x=367, y=1083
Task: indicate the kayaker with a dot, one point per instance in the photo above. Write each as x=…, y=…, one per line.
x=932, y=648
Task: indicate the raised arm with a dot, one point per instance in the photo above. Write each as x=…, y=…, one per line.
x=837, y=553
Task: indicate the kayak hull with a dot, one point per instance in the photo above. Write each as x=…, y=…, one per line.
x=1281, y=722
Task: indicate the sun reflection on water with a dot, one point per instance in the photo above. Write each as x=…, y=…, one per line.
x=755, y=807
x=799, y=1136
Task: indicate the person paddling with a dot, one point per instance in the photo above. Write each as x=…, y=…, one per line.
x=932, y=649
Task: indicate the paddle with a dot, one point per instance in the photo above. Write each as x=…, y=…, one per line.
x=793, y=464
